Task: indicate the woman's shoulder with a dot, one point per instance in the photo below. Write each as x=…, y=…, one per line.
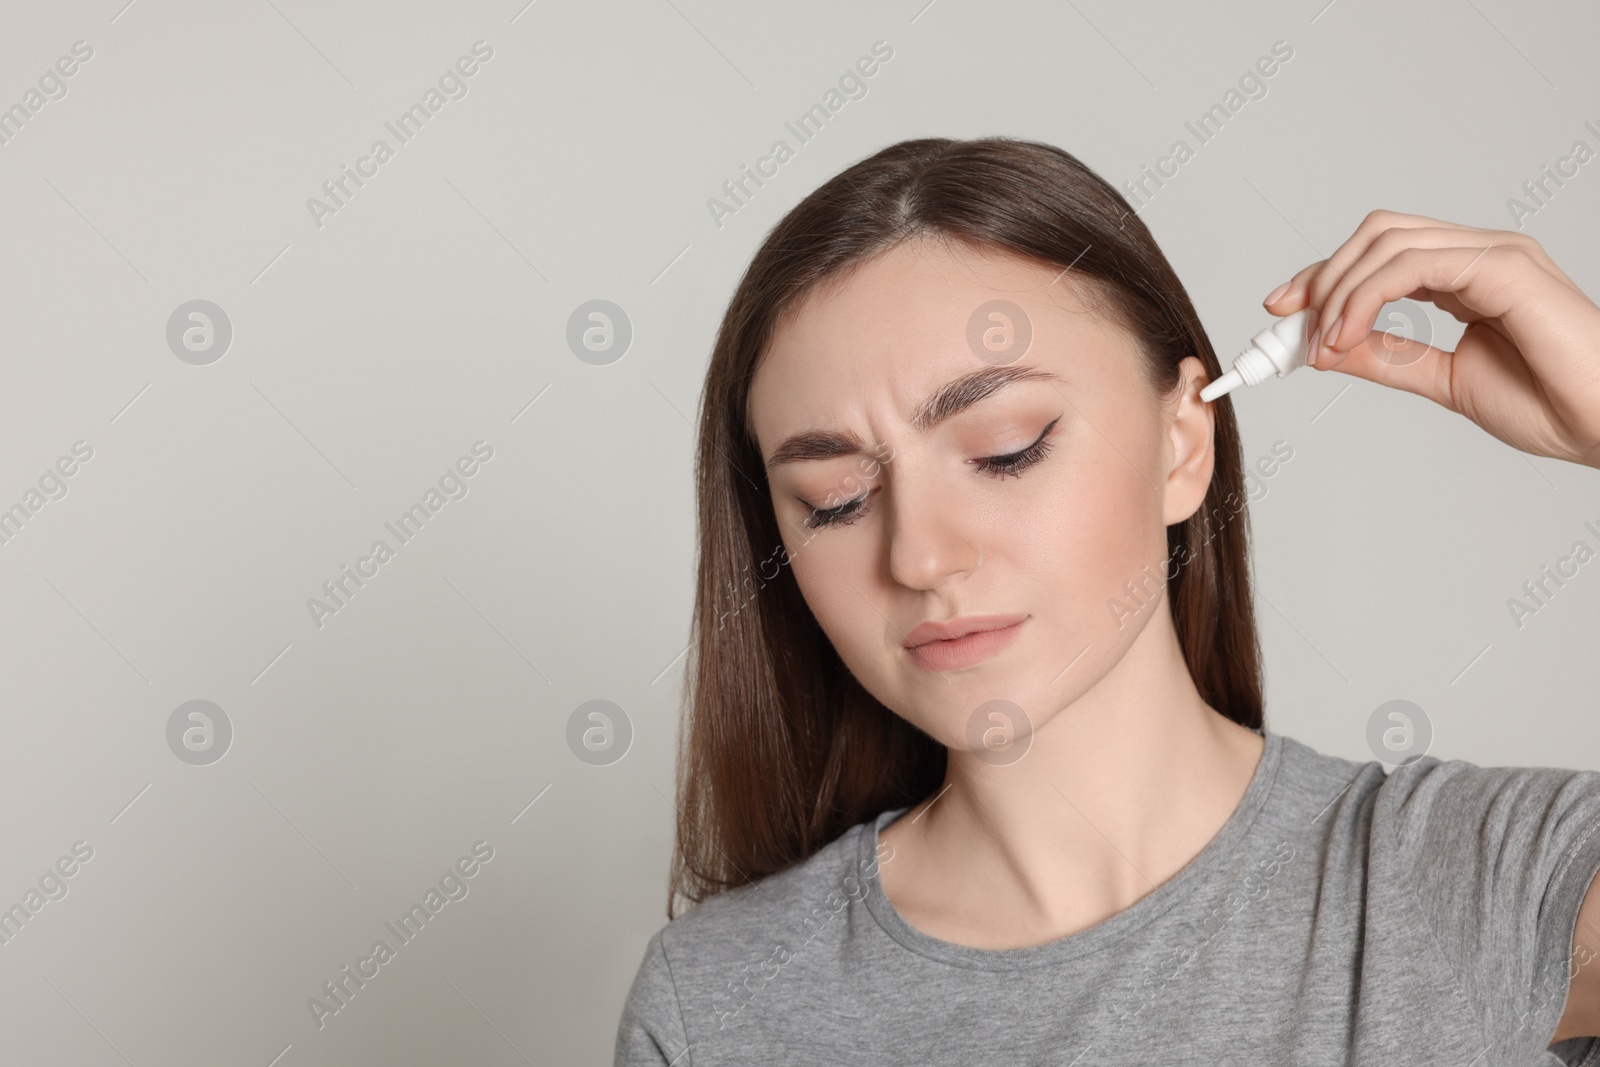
x=762, y=909
x=1309, y=788
x=1493, y=862
x=1433, y=804
x=701, y=968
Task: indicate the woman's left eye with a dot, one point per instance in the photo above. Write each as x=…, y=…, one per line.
x=1014, y=463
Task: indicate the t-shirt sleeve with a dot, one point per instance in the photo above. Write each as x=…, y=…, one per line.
x=651, y=1033
x=1500, y=859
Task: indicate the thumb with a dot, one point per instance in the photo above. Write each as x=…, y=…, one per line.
x=1397, y=362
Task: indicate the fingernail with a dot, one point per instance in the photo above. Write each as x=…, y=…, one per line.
x=1279, y=291
x=1332, y=332
x=1311, y=348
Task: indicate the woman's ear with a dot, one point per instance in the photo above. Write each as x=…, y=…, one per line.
x=1189, y=454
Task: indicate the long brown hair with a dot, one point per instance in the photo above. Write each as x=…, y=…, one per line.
x=781, y=749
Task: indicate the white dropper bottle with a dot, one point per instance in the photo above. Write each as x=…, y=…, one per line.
x=1273, y=352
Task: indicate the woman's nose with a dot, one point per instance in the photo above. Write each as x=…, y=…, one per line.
x=931, y=534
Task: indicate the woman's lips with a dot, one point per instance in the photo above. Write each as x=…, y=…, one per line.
x=966, y=650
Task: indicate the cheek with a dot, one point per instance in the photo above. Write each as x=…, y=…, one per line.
x=1099, y=529
x=821, y=575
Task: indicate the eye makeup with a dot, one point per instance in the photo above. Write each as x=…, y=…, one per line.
x=1010, y=465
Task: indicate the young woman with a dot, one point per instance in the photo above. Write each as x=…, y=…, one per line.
x=975, y=767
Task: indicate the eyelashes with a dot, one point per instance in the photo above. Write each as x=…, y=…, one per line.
x=1013, y=464
x=1010, y=465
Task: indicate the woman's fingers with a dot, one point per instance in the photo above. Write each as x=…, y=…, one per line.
x=1401, y=363
x=1483, y=279
x=1327, y=274
x=1313, y=284
x=1525, y=371
x=1292, y=295
x=1328, y=289
x=1382, y=253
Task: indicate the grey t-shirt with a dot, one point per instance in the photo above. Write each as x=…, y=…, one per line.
x=1341, y=915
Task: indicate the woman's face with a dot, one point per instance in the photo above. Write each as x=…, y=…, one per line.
x=889, y=398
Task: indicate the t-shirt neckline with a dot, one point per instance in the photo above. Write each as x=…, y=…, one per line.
x=1099, y=936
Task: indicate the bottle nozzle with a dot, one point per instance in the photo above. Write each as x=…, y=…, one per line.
x=1222, y=386
x=1273, y=352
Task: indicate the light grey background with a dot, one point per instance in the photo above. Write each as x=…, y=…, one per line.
x=431, y=311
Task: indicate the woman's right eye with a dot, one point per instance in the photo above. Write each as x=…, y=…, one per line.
x=843, y=515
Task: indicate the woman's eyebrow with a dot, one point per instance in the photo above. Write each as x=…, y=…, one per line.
x=950, y=399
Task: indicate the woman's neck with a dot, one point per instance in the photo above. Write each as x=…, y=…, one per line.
x=1116, y=793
